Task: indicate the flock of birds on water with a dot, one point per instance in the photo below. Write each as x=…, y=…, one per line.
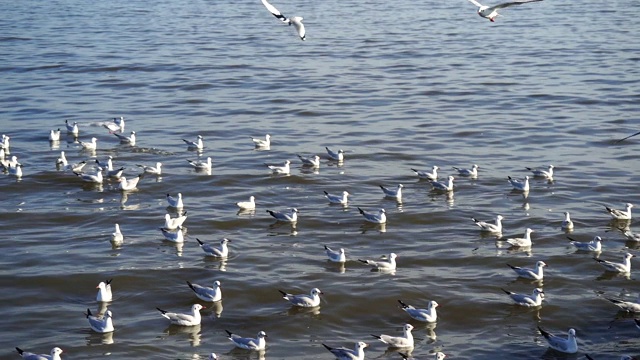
x=172, y=231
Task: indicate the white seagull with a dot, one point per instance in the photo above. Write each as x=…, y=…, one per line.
x=303, y=300
x=533, y=300
x=568, y=345
x=393, y=193
x=523, y=241
x=55, y=354
x=427, y=315
x=262, y=143
x=175, y=202
x=310, y=161
x=131, y=139
x=433, y=175
x=404, y=341
x=490, y=12
x=296, y=20
x=54, y=135
x=173, y=236
x=15, y=170
x=377, y=218
x=542, y=173
x=72, y=128
x=593, y=245
x=335, y=255
x=4, y=144
x=247, y=205
x=258, y=343
x=184, y=319
x=624, y=267
x=567, y=224
x=173, y=223
x=219, y=252
x=473, y=172
x=337, y=199
x=620, y=214
x=628, y=306
x=100, y=324
x=387, y=264
x=336, y=156
x=489, y=227
x=104, y=291
x=128, y=184
x=92, y=178
x=89, y=145
x=520, y=185
x=153, y=170
x=116, y=237
x=290, y=215
x=204, y=293
x=195, y=145
x=443, y=186
x=284, y=169
x=527, y=273
x=348, y=354
x=200, y=165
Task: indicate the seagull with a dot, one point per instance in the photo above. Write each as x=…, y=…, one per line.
x=488, y=227
x=473, y=172
x=91, y=178
x=54, y=135
x=106, y=164
x=173, y=236
x=153, y=170
x=290, y=215
x=630, y=235
x=619, y=214
x=15, y=170
x=284, y=169
x=262, y=143
x=521, y=242
x=336, y=156
x=534, y=274
x=131, y=139
x=199, y=165
x=393, y=193
x=405, y=341
x=72, y=128
x=258, y=343
x=304, y=300
x=593, y=245
x=93, y=145
x=221, y=252
x=247, y=205
x=379, y=218
x=533, y=300
x=568, y=345
x=116, y=237
x=567, y=224
x=128, y=184
x=115, y=126
x=490, y=12
x=184, y=319
x=55, y=354
x=335, y=199
x=212, y=294
x=104, y=291
x=628, y=306
x=195, y=145
x=212, y=356
x=296, y=20
x=175, y=202
x=13, y=162
x=348, y=354
x=439, y=185
x=437, y=356
x=335, y=255
x=173, y=223
x=547, y=174
x=519, y=184
x=102, y=324
x=311, y=161
x=62, y=162
x=388, y=265
x=433, y=175
x=4, y=144
x=623, y=267
x=427, y=315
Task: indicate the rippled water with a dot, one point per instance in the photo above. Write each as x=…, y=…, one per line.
x=397, y=85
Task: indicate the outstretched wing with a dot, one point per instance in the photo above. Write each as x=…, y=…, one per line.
x=275, y=11
x=504, y=5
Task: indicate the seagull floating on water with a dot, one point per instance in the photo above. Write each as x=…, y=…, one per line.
x=296, y=20
x=247, y=205
x=173, y=236
x=393, y=193
x=336, y=199
x=219, y=252
x=568, y=345
x=523, y=241
x=620, y=214
x=624, y=267
x=547, y=174
x=200, y=165
x=489, y=227
x=262, y=143
x=116, y=237
x=628, y=306
x=348, y=354
x=72, y=128
x=567, y=224
x=534, y=274
x=490, y=12
x=533, y=300
x=204, y=293
x=433, y=175
x=473, y=172
x=336, y=156
x=191, y=319
x=195, y=145
x=303, y=300
x=128, y=184
x=377, y=218
x=91, y=146
x=280, y=170
x=100, y=324
x=54, y=135
x=593, y=245
x=175, y=202
x=259, y=343
x=153, y=170
x=520, y=185
x=427, y=315
x=443, y=186
x=335, y=255
x=54, y=355
x=131, y=139
x=289, y=215
x=173, y=223
x=104, y=291
x=404, y=341
x=310, y=161
x=116, y=125
x=387, y=264
x=91, y=178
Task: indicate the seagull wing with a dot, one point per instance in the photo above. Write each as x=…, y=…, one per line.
x=474, y=2
x=507, y=4
x=275, y=11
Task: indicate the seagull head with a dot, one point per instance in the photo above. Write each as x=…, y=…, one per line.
x=262, y=334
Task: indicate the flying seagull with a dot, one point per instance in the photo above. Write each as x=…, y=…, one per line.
x=490, y=12
x=296, y=20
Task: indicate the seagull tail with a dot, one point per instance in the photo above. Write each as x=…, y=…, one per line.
x=284, y=294
x=88, y=313
x=20, y=351
x=323, y=344
x=199, y=242
x=229, y=333
x=162, y=311
x=506, y=292
x=361, y=211
x=544, y=332
x=326, y=193
x=191, y=285
x=511, y=266
x=404, y=306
